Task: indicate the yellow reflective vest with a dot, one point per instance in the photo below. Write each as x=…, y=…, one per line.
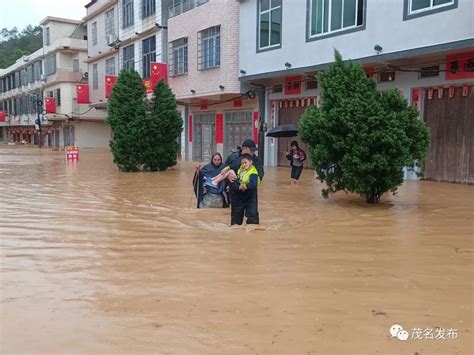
x=244, y=175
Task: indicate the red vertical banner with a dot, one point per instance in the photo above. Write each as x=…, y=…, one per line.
x=451, y=91
x=255, y=127
x=204, y=104
x=238, y=102
x=82, y=93
x=430, y=93
x=190, y=128
x=219, y=128
x=293, y=85
x=110, y=81
x=415, y=97
x=369, y=71
x=3, y=116
x=465, y=90
x=50, y=105
x=149, y=87
x=460, y=66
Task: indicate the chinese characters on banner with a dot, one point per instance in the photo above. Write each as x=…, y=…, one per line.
x=72, y=153
x=204, y=104
x=460, y=66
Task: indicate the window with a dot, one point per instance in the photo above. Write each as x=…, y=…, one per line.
x=179, y=57
x=311, y=84
x=46, y=38
x=428, y=72
x=109, y=24
x=50, y=64
x=75, y=65
x=110, y=66
x=95, y=77
x=328, y=16
x=57, y=97
x=94, y=33
x=148, y=8
x=417, y=8
x=209, y=44
x=277, y=88
x=127, y=10
x=269, y=31
x=129, y=57
x=149, y=55
x=31, y=73
x=387, y=76
x=179, y=6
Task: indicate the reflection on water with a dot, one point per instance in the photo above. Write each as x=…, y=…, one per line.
x=98, y=261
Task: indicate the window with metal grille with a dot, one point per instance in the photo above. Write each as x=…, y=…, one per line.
x=277, y=88
x=209, y=48
x=179, y=57
x=387, y=76
x=110, y=66
x=94, y=33
x=46, y=37
x=129, y=57
x=149, y=55
x=269, y=31
x=95, y=77
x=177, y=7
x=425, y=5
x=109, y=24
x=127, y=11
x=328, y=16
x=50, y=64
x=311, y=84
x=148, y=8
x=57, y=97
x=31, y=73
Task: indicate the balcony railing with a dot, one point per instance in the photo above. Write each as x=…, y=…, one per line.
x=178, y=7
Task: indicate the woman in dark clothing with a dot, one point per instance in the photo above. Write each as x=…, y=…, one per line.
x=297, y=156
x=210, y=196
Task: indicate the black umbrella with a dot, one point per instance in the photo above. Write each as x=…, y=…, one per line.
x=284, y=130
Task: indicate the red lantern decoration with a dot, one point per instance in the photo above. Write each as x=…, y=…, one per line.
x=465, y=90
x=440, y=93
x=430, y=93
x=451, y=91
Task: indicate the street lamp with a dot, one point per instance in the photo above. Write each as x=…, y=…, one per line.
x=39, y=108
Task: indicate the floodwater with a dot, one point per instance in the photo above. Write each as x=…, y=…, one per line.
x=101, y=262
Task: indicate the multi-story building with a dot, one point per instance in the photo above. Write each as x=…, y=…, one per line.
x=52, y=72
x=203, y=61
x=424, y=48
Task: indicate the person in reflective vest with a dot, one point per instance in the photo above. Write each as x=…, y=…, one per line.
x=244, y=193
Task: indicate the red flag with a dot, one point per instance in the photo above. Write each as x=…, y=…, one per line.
x=149, y=87
x=82, y=93
x=159, y=71
x=50, y=105
x=3, y=116
x=109, y=84
x=238, y=102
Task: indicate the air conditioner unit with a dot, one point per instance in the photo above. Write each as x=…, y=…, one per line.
x=111, y=39
x=43, y=77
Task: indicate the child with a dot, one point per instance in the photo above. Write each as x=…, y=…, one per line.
x=297, y=156
x=244, y=193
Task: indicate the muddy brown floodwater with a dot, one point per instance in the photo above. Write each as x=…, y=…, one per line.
x=100, y=262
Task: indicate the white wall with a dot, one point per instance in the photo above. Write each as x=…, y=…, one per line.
x=384, y=26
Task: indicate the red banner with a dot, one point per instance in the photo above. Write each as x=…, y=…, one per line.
x=82, y=93
x=238, y=102
x=204, y=104
x=465, y=90
x=255, y=127
x=369, y=71
x=293, y=85
x=149, y=87
x=460, y=66
x=430, y=93
x=3, y=116
x=159, y=71
x=440, y=93
x=110, y=81
x=50, y=105
x=415, y=97
x=219, y=128
x=451, y=91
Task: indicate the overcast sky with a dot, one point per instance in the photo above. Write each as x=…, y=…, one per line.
x=21, y=13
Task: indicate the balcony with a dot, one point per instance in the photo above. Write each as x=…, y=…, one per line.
x=180, y=6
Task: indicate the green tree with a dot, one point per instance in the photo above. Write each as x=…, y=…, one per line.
x=14, y=44
x=164, y=126
x=360, y=139
x=126, y=116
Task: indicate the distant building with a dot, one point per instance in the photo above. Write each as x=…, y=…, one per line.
x=203, y=61
x=423, y=48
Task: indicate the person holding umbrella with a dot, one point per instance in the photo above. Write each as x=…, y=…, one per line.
x=296, y=156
